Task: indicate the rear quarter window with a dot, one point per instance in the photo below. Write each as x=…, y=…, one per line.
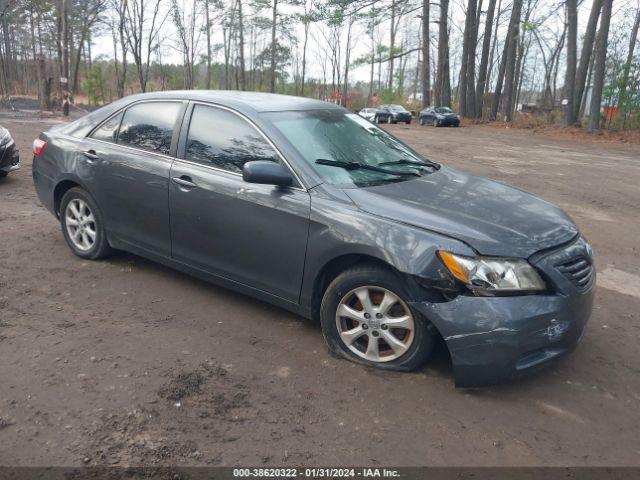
x=108, y=131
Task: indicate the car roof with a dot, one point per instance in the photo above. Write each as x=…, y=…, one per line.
x=257, y=101
x=247, y=103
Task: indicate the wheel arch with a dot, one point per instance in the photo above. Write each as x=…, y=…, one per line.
x=334, y=267
x=62, y=187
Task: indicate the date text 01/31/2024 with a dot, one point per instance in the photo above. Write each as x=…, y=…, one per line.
x=314, y=473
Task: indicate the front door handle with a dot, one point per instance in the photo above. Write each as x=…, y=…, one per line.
x=91, y=155
x=184, y=181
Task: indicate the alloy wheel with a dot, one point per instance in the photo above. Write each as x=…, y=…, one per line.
x=375, y=324
x=81, y=224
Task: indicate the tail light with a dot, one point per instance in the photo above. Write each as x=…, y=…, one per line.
x=38, y=147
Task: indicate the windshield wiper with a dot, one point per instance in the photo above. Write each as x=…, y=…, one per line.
x=362, y=166
x=435, y=166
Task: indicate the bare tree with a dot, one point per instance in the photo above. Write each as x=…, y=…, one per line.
x=508, y=65
x=272, y=69
x=208, y=38
x=141, y=32
x=425, y=71
x=599, y=67
x=627, y=66
x=243, y=81
x=188, y=38
x=570, y=116
x=443, y=81
x=484, y=58
x=466, y=106
x=586, y=55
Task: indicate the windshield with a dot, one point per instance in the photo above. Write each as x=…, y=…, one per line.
x=443, y=110
x=345, y=137
x=396, y=108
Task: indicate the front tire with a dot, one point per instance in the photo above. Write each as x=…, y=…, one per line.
x=82, y=225
x=366, y=318
x=422, y=122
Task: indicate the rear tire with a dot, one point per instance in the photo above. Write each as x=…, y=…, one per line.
x=82, y=225
x=422, y=122
x=3, y=174
x=383, y=331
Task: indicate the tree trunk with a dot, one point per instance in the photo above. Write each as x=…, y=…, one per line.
x=208, y=35
x=425, y=82
x=497, y=94
x=345, y=88
x=586, y=54
x=570, y=115
x=304, y=57
x=484, y=59
x=443, y=82
x=471, y=63
x=583, y=102
x=123, y=46
x=461, y=95
x=494, y=47
x=510, y=66
x=226, y=39
x=373, y=56
x=599, y=67
x=64, y=31
x=243, y=82
x=272, y=81
x=627, y=66
x=392, y=41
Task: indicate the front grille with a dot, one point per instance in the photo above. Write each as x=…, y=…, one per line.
x=578, y=271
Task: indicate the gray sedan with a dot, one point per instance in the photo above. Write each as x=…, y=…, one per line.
x=308, y=206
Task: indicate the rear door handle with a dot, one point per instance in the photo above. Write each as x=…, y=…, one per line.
x=91, y=155
x=184, y=181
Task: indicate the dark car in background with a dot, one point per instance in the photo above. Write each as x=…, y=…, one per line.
x=375, y=115
x=397, y=113
x=308, y=206
x=9, y=158
x=439, y=117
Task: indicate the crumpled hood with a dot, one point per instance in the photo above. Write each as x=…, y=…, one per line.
x=493, y=218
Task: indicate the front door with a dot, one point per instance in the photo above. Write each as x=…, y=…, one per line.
x=252, y=234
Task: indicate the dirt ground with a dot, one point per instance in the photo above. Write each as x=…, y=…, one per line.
x=126, y=362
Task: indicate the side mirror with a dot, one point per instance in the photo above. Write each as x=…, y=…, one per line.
x=266, y=172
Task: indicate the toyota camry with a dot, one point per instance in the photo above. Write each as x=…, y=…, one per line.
x=308, y=206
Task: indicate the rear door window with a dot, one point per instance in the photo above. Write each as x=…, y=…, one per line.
x=149, y=126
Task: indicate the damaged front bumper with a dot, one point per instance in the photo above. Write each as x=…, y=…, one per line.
x=495, y=339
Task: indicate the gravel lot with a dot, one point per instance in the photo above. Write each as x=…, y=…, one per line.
x=125, y=362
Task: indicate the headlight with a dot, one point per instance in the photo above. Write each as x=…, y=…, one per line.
x=4, y=136
x=493, y=275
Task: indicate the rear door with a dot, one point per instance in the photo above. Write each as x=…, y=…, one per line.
x=249, y=233
x=131, y=156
